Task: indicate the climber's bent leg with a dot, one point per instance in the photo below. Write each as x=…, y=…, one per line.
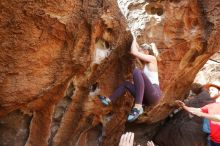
x=126, y=85
x=118, y=92
x=139, y=86
x=152, y=92
x=137, y=110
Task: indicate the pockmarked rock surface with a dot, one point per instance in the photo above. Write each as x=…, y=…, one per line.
x=56, y=56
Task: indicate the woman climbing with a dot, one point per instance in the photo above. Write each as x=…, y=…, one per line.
x=145, y=87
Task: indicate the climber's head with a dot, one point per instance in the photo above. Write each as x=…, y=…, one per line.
x=214, y=90
x=147, y=49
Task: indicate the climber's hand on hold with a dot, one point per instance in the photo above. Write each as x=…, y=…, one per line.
x=133, y=33
x=133, y=36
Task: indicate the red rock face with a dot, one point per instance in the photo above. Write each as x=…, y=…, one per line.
x=33, y=46
x=48, y=48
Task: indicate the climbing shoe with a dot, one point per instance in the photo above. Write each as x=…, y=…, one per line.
x=134, y=114
x=104, y=100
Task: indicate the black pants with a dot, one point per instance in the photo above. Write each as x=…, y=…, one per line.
x=143, y=90
x=214, y=143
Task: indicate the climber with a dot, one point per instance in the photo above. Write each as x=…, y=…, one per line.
x=210, y=111
x=145, y=88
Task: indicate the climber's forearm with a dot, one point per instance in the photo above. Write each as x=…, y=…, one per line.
x=134, y=47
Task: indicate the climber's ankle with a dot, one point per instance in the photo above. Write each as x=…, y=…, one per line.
x=138, y=106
